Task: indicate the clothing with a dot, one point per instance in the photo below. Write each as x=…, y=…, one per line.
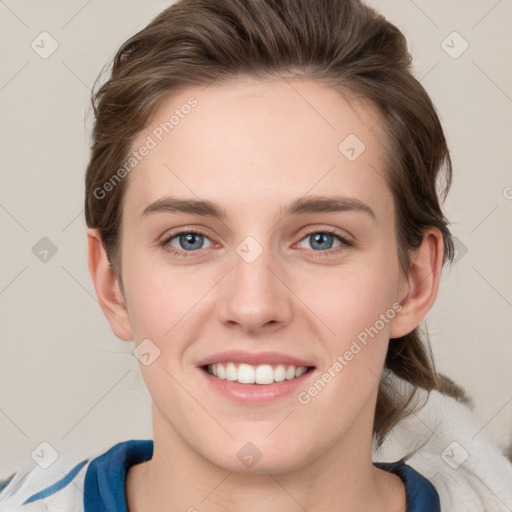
x=103, y=481
x=444, y=443
x=441, y=455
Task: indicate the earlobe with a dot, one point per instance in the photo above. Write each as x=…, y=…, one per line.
x=422, y=284
x=107, y=287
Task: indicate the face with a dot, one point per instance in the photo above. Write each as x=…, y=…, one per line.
x=258, y=242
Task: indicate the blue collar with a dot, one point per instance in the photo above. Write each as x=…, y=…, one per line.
x=104, y=487
x=421, y=494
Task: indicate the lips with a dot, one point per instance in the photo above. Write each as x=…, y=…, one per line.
x=254, y=359
x=262, y=368
x=255, y=379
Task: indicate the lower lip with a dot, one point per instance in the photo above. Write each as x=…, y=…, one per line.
x=257, y=393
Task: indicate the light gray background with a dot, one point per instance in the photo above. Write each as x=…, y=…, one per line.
x=64, y=377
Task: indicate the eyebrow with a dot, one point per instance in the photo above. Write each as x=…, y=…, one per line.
x=301, y=206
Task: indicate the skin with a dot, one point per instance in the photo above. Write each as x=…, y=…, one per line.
x=253, y=146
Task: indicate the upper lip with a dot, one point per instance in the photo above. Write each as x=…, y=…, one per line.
x=253, y=358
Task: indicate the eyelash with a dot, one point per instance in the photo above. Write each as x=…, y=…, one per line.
x=317, y=254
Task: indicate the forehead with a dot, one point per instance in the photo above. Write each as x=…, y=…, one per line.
x=259, y=140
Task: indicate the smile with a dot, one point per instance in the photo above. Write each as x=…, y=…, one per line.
x=255, y=374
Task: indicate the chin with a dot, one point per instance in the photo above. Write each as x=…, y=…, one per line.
x=260, y=456
x=266, y=464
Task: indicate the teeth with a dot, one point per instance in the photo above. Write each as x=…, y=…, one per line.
x=246, y=374
x=300, y=371
x=249, y=374
x=279, y=373
x=231, y=373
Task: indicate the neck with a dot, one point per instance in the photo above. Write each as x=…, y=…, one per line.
x=343, y=479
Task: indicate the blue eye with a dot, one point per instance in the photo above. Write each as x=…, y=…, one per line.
x=187, y=240
x=323, y=241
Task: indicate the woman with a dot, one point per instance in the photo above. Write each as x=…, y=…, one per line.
x=264, y=223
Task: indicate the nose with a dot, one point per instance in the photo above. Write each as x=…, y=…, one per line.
x=254, y=297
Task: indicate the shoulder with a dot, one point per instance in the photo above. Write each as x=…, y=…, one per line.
x=54, y=489
x=74, y=484
x=443, y=442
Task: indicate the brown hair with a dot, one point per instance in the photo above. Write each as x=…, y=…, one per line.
x=341, y=43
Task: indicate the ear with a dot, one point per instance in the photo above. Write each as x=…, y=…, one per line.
x=419, y=290
x=107, y=287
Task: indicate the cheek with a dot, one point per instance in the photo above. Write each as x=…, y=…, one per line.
x=152, y=305
x=358, y=310
x=169, y=306
x=158, y=295
x=351, y=299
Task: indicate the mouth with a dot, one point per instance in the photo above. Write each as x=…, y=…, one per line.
x=263, y=374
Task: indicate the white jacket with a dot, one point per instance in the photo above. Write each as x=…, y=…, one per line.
x=469, y=472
